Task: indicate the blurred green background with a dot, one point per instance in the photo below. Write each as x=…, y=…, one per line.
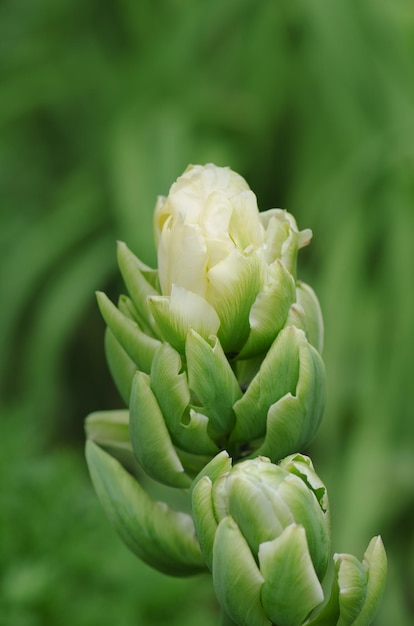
x=102, y=106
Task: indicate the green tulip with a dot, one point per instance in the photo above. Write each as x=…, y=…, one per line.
x=217, y=356
x=264, y=532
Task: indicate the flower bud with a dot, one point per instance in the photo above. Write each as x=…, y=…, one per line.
x=264, y=532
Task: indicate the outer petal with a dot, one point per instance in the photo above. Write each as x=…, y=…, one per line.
x=253, y=508
x=138, y=286
x=269, y=311
x=212, y=380
x=188, y=429
x=283, y=239
x=138, y=345
x=293, y=421
x=233, y=286
x=236, y=577
x=302, y=466
x=352, y=585
x=218, y=466
x=109, y=428
x=204, y=519
x=163, y=538
x=291, y=589
x=177, y=314
x=150, y=438
x=121, y=366
x=375, y=564
x=277, y=376
x=307, y=299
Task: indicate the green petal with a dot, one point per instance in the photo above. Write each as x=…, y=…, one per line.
x=269, y=311
x=139, y=346
x=188, y=428
x=150, y=438
x=302, y=466
x=375, y=564
x=121, y=366
x=204, y=519
x=177, y=314
x=138, y=286
x=169, y=384
x=291, y=588
x=218, y=466
x=109, y=428
x=257, y=510
x=309, y=302
x=236, y=577
x=277, y=376
x=233, y=286
x=352, y=585
x=212, y=380
x=294, y=419
x=305, y=509
x=163, y=538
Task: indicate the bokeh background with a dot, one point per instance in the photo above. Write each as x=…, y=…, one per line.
x=102, y=106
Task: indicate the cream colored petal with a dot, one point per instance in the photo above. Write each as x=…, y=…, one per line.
x=245, y=227
x=182, y=257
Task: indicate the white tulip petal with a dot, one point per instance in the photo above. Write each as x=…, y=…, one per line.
x=182, y=257
x=245, y=227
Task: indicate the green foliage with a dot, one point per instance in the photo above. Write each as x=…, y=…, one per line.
x=102, y=106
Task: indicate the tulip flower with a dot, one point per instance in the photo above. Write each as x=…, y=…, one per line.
x=217, y=356
x=264, y=530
